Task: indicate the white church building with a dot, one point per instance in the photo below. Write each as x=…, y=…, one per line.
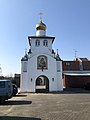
x=41, y=68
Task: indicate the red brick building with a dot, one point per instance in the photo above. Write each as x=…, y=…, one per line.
x=76, y=73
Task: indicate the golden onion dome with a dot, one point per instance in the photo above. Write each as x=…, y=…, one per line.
x=41, y=26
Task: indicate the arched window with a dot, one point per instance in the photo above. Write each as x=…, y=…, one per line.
x=45, y=43
x=37, y=43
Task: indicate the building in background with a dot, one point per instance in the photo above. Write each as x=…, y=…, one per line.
x=76, y=73
x=41, y=68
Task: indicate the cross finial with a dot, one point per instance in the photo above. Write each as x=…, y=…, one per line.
x=25, y=51
x=40, y=16
x=75, y=53
x=57, y=51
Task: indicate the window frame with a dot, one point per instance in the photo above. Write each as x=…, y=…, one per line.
x=45, y=43
x=37, y=43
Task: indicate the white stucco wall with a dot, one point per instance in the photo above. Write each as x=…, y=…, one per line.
x=24, y=78
x=29, y=78
x=40, y=33
x=59, y=75
x=33, y=47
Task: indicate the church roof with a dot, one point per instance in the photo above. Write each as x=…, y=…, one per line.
x=82, y=59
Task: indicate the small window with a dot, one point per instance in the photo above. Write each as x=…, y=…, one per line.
x=58, y=67
x=81, y=66
x=25, y=67
x=45, y=43
x=67, y=64
x=37, y=43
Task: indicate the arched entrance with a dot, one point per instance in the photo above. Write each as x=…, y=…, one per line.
x=42, y=84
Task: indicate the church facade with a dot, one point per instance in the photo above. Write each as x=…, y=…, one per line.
x=41, y=68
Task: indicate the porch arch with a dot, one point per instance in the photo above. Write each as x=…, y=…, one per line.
x=42, y=84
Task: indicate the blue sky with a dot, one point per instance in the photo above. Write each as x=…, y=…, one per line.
x=67, y=20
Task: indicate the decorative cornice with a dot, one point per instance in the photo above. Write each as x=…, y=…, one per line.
x=40, y=37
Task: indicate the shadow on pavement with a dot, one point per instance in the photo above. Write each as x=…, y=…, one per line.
x=20, y=95
x=72, y=91
x=75, y=91
x=17, y=118
x=16, y=102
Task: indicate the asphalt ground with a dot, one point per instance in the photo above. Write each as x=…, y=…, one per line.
x=67, y=105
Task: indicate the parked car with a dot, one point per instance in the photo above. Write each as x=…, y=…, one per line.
x=87, y=86
x=15, y=89
x=6, y=90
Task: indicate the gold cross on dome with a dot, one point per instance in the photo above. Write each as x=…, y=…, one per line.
x=40, y=16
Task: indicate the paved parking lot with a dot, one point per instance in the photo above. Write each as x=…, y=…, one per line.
x=60, y=106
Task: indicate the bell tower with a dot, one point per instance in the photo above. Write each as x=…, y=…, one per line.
x=41, y=68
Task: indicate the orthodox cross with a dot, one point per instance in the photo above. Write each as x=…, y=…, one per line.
x=25, y=54
x=75, y=53
x=40, y=16
x=57, y=51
